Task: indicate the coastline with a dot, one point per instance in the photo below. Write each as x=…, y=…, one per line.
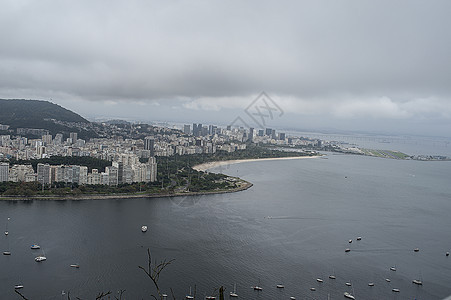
x=201, y=167
x=244, y=186
x=213, y=164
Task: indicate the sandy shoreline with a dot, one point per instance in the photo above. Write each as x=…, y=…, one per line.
x=213, y=164
x=201, y=167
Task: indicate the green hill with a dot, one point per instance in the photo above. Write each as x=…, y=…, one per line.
x=20, y=113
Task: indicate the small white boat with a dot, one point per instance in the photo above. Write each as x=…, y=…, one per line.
x=348, y=283
x=210, y=297
x=371, y=284
x=144, y=228
x=40, y=258
x=292, y=298
x=75, y=266
x=6, y=252
x=350, y=241
x=359, y=238
x=189, y=296
x=416, y=249
x=332, y=277
x=257, y=288
x=35, y=246
x=348, y=295
x=312, y=289
x=447, y=253
x=395, y=290
x=417, y=282
x=280, y=286
x=387, y=279
x=6, y=229
x=347, y=250
x=393, y=268
x=18, y=286
x=234, y=294
x=319, y=280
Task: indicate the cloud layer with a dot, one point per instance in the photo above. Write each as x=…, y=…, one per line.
x=346, y=59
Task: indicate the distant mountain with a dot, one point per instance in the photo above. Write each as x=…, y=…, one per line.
x=19, y=113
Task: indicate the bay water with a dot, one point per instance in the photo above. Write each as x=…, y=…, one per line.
x=290, y=228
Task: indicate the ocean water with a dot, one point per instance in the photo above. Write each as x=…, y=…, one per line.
x=411, y=145
x=291, y=227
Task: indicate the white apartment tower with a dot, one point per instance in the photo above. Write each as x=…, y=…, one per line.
x=43, y=173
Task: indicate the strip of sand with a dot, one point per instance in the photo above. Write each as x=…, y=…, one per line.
x=213, y=164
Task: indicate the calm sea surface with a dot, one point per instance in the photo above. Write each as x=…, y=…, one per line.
x=291, y=227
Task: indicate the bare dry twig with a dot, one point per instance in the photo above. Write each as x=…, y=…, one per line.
x=153, y=272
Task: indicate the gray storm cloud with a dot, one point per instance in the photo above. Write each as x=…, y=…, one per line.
x=347, y=59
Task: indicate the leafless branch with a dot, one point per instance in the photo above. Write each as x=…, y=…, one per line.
x=23, y=297
x=153, y=271
x=102, y=294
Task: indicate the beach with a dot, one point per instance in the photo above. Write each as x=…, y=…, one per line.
x=213, y=164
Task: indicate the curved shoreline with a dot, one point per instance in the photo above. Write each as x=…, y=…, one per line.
x=201, y=167
x=246, y=185
x=213, y=164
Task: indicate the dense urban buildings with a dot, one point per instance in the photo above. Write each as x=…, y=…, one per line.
x=132, y=159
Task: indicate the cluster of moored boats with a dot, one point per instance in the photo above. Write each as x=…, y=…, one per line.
x=39, y=258
x=371, y=284
x=233, y=294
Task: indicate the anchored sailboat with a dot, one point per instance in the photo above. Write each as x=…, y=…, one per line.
x=234, y=294
x=190, y=295
x=6, y=229
x=418, y=281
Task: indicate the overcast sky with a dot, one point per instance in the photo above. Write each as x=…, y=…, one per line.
x=381, y=66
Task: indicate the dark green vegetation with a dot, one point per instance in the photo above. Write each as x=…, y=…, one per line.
x=33, y=113
x=178, y=162
x=29, y=189
x=90, y=162
x=36, y=114
x=385, y=153
x=20, y=113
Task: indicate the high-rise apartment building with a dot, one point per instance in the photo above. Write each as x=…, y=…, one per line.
x=251, y=134
x=20, y=173
x=186, y=129
x=282, y=136
x=73, y=137
x=58, y=140
x=204, y=131
x=4, y=172
x=195, y=130
x=47, y=139
x=43, y=173
x=112, y=175
x=149, y=144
